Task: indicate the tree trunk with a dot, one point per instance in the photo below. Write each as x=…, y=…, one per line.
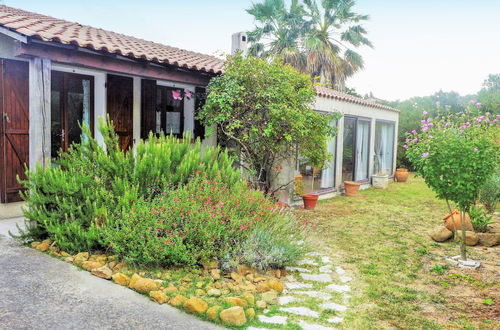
x=463, y=249
x=455, y=234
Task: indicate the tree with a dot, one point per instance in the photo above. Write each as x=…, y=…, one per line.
x=263, y=112
x=456, y=154
x=489, y=95
x=315, y=39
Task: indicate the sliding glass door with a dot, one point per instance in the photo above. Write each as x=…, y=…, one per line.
x=384, y=147
x=356, y=149
x=169, y=111
x=72, y=103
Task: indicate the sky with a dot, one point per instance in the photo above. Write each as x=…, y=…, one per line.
x=420, y=47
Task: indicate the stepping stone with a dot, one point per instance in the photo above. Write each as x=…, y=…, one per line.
x=339, y=270
x=346, y=298
x=285, y=300
x=253, y=328
x=315, y=294
x=300, y=242
x=334, y=307
x=326, y=269
x=338, y=288
x=310, y=326
x=290, y=278
x=325, y=260
x=345, y=279
x=273, y=319
x=302, y=311
x=307, y=262
x=325, y=278
x=297, y=269
x=335, y=319
x=313, y=254
x=298, y=285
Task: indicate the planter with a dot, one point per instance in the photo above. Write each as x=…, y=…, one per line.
x=380, y=181
x=310, y=201
x=449, y=219
x=402, y=174
x=351, y=188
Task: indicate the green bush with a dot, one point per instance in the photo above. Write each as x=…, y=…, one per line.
x=479, y=219
x=206, y=219
x=490, y=193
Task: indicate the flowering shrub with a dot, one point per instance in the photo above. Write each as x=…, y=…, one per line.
x=204, y=220
x=455, y=154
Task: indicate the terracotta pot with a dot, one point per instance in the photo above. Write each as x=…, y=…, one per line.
x=402, y=174
x=449, y=219
x=351, y=188
x=310, y=201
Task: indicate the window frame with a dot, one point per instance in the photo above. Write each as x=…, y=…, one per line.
x=354, y=144
x=394, y=139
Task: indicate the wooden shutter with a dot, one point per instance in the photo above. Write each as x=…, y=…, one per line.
x=14, y=127
x=200, y=97
x=148, y=107
x=120, y=108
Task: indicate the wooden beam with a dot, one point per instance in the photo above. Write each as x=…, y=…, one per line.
x=110, y=64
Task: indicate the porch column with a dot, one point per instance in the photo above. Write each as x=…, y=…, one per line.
x=39, y=112
x=339, y=154
x=136, y=116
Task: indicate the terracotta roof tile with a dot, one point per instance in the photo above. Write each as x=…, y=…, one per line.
x=57, y=30
x=333, y=94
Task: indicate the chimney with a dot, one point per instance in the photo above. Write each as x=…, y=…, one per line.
x=239, y=42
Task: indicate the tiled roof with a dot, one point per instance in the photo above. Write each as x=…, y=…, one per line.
x=333, y=94
x=51, y=29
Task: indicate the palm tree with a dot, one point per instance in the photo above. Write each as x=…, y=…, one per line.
x=315, y=39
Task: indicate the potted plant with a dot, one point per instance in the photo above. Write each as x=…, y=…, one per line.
x=309, y=200
x=380, y=181
x=402, y=174
x=351, y=188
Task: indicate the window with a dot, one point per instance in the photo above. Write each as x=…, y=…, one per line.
x=356, y=148
x=169, y=111
x=72, y=103
x=384, y=147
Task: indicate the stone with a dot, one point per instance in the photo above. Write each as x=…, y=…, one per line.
x=200, y=292
x=214, y=293
x=324, y=278
x=121, y=279
x=345, y=279
x=233, y=316
x=313, y=254
x=243, y=270
x=177, y=301
x=90, y=264
x=235, y=301
x=170, y=290
x=196, y=305
x=338, y=288
x=211, y=264
x=326, y=269
x=261, y=304
x=79, y=258
x=35, y=244
x=42, y=247
x=215, y=273
x=489, y=239
x=469, y=264
x=471, y=238
x=298, y=269
x=259, y=279
x=158, y=296
x=269, y=297
x=236, y=277
x=273, y=319
x=310, y=326
x=325, y=260
x=309, y=262
x=298, y=285
x=250, y=313
x=315, y=294
x=441, y=233
x=69, y=259
x=65, y=254
x=285, y=300
x=143, y=285
x=275, y=285
x=339, y=270
x=248, y=287
x=249, y=298
x=334, y=307
x=335, y=319
x=263, y=287
x=102, y=272
x=213, y=311
x=302, y=311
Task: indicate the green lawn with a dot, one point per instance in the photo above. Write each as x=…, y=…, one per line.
x=401, y=280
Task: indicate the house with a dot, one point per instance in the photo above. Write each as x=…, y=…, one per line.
x=55, y=74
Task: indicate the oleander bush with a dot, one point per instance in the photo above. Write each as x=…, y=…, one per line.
x=167, y=203
x=489, y=194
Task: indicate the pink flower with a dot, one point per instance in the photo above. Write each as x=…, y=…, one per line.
x=447, y=124
x=425, y=128
x=478, y=104
x=431, y=124
x=425, y=113
x=425, y=154
x=475, y=149
x=423, y=121
x=414, y=132
x=176, y=95
x=188, y=95
x=407, y=140
x=405, y=146
x=415, y=140
x=437, y=103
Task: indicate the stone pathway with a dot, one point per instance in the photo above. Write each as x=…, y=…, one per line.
x=315, y=296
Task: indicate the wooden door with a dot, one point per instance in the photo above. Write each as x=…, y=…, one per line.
x=148, y=107
x=14, y=127
x=120, y=108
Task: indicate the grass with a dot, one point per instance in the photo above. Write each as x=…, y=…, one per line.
x=402, y=279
